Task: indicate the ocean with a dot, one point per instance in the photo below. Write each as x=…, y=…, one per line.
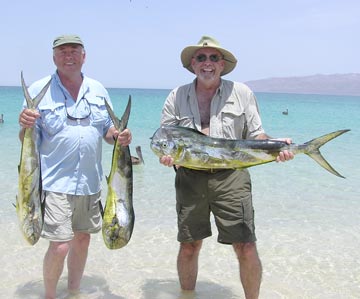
x=307, y=220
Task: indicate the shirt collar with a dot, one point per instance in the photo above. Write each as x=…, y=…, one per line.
x=84, y=89
x=219, y=91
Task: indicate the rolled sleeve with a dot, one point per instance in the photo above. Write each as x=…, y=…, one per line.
x=168, y=116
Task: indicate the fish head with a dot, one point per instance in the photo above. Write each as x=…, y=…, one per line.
x=162, y=143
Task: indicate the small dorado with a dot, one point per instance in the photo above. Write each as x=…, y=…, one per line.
x=29, y=207
x=190, y=148
x=118, y=215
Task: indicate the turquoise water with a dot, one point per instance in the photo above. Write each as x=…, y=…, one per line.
x=307, y=219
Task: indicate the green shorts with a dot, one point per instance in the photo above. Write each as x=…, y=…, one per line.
x=226, y=194
x=66, y=214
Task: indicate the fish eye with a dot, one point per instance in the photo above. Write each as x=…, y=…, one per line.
x=164, y=145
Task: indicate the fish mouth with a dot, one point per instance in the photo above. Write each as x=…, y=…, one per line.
x=152, y=142
x=155, y=147
x=116, y=236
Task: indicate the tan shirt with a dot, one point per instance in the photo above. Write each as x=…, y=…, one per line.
x=234, y=112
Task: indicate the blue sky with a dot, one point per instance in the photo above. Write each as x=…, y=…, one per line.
x=137, y=43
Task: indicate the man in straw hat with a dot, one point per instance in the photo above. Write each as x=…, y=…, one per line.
x=224, y=109
x=71, y=123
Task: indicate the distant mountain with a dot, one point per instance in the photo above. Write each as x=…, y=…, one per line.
x=337, y=84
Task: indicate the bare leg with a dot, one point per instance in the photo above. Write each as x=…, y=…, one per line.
x=53, y=266
x=77, y=259
x=187, y=264
x=250, y=268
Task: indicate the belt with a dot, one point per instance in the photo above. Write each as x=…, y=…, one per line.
x=215, y=170
x=211, y=170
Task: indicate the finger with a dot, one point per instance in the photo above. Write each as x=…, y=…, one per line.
x=27, y=118
x=167, y=161
x=280, y=157
x=286, y=156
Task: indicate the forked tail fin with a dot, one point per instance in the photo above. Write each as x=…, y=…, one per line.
x=312, y=150
x=33, y=103
x=120, y=124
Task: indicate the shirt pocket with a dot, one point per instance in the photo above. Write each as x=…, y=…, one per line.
x=233, y=122
x=53, y=118
x=99, y=114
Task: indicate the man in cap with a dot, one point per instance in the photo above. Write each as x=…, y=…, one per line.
x=223, y=109
x=71, y=121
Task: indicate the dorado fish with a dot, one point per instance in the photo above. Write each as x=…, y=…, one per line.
x=190, y=148
x=118, y=214
x=29, y=207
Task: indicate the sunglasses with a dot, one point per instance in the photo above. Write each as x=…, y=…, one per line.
x=212, y=57
x=86, y=108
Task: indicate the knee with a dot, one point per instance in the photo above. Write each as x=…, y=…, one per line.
x=190, y=249
x=59, y=249
x=81, y=240
x=246, y=250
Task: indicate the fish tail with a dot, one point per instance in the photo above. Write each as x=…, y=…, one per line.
x=125, y=116
x=33, y=103
x=120, y=125
x=312, y=150
x=26, y=92
x=113, y=117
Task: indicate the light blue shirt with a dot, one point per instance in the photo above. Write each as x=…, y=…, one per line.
x=71, y=150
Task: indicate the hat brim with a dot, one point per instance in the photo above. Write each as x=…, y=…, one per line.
x=68, y=43
x=188, y=52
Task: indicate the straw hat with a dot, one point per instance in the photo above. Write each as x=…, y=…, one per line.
x=207, y=41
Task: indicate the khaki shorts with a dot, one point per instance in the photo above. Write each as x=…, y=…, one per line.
x=66, y=214
x=226, y=194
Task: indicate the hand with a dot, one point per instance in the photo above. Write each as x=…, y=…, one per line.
x=167, y=161
x=28, y=118
x=124, y=138
x=285, y=155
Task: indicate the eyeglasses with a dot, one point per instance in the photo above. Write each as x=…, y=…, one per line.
x=212, y=57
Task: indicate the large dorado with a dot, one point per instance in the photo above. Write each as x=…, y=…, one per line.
x=118, y=215
x=29, y=207
x=192, y=149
